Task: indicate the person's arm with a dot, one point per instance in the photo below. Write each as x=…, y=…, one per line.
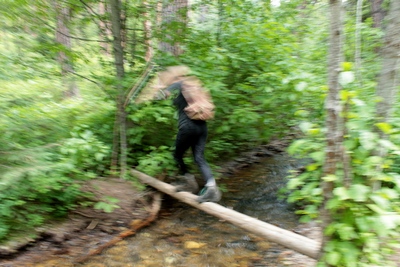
x=175, y=86
x=164, y=94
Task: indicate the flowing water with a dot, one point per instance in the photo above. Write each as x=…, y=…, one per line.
x=185, y=236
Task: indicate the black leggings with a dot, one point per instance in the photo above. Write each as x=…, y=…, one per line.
x=195, y=137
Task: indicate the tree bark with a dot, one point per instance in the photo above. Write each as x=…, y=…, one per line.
x=63, y=38
x=173, y=11
x=357, y=56
x=147, y=26
x=333, y=109
x=377, y=13
x=275, y=234
x=116, y=29
x=105, y=31
x=388, y=79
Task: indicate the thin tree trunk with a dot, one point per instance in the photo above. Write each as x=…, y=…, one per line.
x=357, y=56
x=147, y=33
x=333, y=108
x=175, y=11
x=377, y=12
x=220, y=21
x=63, y=38
x=120, y=73
x=388, y=79
x=105, y=31
x=388, y=82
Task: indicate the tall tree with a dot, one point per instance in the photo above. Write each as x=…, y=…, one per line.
x=378, y=12
x=64, y=56
x=173, y=25
x=147, y=26
x=388, y=82
x=104, y=26
x=333, y=108
x=357, y=56
x=119, y=143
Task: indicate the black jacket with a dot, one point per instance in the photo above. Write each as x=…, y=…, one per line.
x=180, y=102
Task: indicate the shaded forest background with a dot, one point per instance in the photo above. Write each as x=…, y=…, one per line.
x=70, y=72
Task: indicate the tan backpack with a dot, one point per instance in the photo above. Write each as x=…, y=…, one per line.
x=200, y=104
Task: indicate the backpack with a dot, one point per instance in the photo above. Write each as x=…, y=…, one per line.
x=200, y=104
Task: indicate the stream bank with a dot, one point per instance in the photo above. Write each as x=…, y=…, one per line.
x=86, y=229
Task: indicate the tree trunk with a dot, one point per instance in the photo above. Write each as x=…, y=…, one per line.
x=105, y=31
x=147, y=33
x=63, y=38
x=275, y=234
x=357, y=56
x=377, y=12
x=388, y=79
x=120, y=125
x=333, y=109
x=175, y=11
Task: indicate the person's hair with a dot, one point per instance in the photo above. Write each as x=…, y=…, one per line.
x=167, y=77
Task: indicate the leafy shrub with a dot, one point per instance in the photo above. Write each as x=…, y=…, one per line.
x=364, y=209
x=88, y=155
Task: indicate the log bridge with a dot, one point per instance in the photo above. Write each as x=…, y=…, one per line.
x=271, y=232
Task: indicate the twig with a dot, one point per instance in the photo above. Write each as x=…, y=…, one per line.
x=134, y=227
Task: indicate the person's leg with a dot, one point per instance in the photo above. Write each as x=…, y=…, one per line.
x=182, y=144
x=184, y=140
x=198, y=155
x=210, y=192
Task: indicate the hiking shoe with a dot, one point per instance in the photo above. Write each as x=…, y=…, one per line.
x=209, y=194
x=188, y=184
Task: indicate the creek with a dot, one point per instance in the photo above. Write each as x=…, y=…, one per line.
x=187, y=237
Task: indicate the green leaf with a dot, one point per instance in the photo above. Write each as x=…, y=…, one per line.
x=305, y=126
x=301, y=86
x=376, y=208
x=346, y=232
x=333, y=203
x=333, y=258
x=312, y=167
x=318, y=156
x=362, y=223
x=359, y=192
x=387, y=144
x=341, y=193
x=380, y=201
x=367, y=140
x=347, y=66
x=384, y=127
x=99, y=156
x=329, y=177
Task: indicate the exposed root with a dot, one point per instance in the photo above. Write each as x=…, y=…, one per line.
x=135, y=225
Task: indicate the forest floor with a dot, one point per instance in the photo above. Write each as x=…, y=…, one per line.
x=87, y=228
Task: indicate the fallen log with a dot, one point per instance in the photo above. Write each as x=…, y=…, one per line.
x=273, y=233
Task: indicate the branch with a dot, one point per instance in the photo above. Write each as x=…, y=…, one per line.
x=78, y=38
x=90, y=80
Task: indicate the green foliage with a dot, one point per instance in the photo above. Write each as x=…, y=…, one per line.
x=156, y=161
x=108, y=205
x=266, y=70
x=365, y=211
x=86, y=153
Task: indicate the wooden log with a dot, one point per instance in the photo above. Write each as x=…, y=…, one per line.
x=273, y=233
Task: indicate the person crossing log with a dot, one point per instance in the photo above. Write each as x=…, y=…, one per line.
x=273, y=233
